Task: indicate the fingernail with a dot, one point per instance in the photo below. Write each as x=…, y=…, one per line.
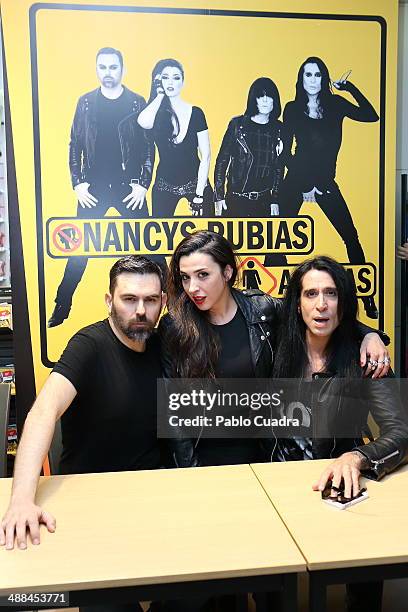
x=9, y=546
x=22, y=546
x=36, y=541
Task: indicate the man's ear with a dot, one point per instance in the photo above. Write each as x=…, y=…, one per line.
x=163, y=300
x=108, y=301
x=227, y=272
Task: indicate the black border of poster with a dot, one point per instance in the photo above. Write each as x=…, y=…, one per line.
x=22, y=347
x=193, y=11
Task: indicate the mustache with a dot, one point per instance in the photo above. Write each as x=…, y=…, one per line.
x=141, y=319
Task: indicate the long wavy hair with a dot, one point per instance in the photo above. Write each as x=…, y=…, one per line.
x=342, y=355
x=166, y=122
x=326, y=93
x=263, y=87
x=192, y=340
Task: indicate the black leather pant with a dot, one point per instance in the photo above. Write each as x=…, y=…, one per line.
x=107, y=196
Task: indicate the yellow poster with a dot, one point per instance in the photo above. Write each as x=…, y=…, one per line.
x=312, y=173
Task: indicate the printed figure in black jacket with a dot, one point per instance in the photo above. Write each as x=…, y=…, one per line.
x=110, y=160
x=250, y=157
x=318, y=345
x=315, y=120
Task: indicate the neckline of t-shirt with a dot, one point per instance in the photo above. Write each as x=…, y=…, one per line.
x=188, y=128
x=224, y=325
x=111, y=99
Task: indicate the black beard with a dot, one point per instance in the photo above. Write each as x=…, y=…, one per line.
x=138, y=335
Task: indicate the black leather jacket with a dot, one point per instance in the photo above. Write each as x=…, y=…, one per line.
x=261, y=313
x=235, y=159
x=136, y=148
x=340, y=411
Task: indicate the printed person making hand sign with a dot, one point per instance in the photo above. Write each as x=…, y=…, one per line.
x=181, y=134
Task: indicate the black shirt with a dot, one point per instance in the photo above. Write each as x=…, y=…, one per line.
x=179, y=162
x=234, y=362
x=262, y=142
x=108, y=154
x=111, y=424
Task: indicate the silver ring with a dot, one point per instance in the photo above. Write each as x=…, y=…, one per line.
x=381, y=361
x=387, y=360
x=373, y=364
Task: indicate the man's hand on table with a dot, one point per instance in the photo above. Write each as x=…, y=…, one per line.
x=24, y=517
x=346, y=467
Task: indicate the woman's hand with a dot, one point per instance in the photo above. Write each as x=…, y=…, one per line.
x=219, y=207
x=402, y=251
x=342, y=83
x=310, y=196
x=196, y=206
x=158, y=84
x=375, y=355
x=346, y=467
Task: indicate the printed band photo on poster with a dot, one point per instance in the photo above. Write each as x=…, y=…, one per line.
x=146, y=143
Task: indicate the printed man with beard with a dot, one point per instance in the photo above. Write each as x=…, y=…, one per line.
x=110, y=161
x=104, y=390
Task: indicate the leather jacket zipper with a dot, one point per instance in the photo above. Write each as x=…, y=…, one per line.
x=241, y=141
x=384, y=459
x=121, y=139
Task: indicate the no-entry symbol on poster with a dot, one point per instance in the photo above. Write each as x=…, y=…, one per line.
x=67, y=237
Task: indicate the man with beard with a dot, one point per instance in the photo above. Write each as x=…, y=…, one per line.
x=104, y=390
x=110, y=161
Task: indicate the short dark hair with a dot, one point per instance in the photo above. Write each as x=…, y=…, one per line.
x=263, y=87
x=134, y=264
x=111, y=51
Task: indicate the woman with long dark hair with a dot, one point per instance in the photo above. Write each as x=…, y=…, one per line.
x=315, y=120
x=318, y=345
x=213, y=330
x=181, y=134
x=250, y=157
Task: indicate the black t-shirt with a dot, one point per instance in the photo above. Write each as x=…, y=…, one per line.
x=235, y=359
x=234, y=362
x=108, y=155
x=111, y=424
x=179, y=162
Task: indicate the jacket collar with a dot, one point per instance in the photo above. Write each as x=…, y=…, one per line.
x=248, y=307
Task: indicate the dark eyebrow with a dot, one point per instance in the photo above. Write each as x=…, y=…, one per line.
x=155, y=295
x=198, y=270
